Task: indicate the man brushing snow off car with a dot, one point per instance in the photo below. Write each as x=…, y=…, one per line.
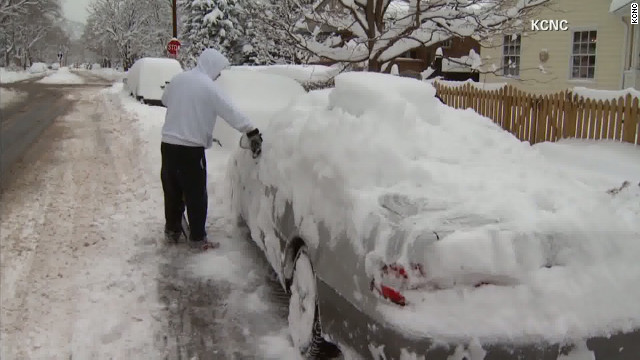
x=193, y=103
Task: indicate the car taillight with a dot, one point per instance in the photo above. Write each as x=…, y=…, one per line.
x=393, y=295
x=399, y=277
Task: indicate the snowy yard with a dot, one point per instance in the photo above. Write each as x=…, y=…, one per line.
x=9, y=76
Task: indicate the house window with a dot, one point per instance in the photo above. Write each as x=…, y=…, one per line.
x=511, y=55
x=583, y=55
x=446, y=44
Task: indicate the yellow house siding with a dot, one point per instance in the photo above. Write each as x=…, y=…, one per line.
x=581, y=15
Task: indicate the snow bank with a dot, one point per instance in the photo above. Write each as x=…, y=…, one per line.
x=107, y=74
x=9, y=76
x=604, y=94
x=559, y=251
x=300, y=73
x=62, y=76
x=8, y=96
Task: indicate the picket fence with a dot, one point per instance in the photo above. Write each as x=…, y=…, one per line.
x=538, y=118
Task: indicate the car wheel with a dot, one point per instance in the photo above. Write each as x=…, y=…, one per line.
x=304, y=324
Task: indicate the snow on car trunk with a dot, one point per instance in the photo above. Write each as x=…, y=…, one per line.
x=526, y=248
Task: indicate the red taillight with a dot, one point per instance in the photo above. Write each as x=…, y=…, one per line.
x=399, y=278
x=393, y=295
x=389, y=293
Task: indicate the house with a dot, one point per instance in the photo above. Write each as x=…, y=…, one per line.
x=570, y=43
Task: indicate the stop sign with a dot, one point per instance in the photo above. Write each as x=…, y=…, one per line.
x=173, y=46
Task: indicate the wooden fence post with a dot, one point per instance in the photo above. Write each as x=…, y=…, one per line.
x=630, y=119
x=507, y=102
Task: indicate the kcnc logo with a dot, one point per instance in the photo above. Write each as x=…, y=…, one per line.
x=549, y=25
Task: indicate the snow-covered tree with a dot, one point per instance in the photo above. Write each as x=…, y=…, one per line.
x=263, y=40
x=128, y=29
x=13, y=8
x=211, y=23
x=375, y=32
x=26, y=26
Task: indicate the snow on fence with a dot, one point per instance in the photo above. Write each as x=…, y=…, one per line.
x=538, y=118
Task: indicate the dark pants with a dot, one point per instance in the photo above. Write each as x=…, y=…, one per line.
x=184, y=181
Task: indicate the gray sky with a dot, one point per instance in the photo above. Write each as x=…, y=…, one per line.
x=75, y=10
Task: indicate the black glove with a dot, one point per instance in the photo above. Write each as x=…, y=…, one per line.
x=255, y=137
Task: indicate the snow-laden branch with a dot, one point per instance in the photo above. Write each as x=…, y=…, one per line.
x=378, y=31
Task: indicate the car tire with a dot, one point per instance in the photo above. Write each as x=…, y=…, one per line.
x=304, y=322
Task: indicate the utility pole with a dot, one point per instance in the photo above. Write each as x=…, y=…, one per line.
x=175, y=25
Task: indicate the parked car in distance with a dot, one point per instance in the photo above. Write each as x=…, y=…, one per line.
x=147, y=77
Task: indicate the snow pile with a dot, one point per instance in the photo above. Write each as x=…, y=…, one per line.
x=379, y=95
x=37, y=68
x=8, y=96
x=8, y=76
x=604, y=94
x=300, y=73
x=55, y=66
x=559, y=253
x=62, y=76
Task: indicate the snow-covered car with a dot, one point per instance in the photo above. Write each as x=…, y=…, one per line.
x=406, y=229
x=37, y=68
x=147, y=77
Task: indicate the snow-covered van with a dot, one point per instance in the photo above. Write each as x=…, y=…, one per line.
x=147, y=77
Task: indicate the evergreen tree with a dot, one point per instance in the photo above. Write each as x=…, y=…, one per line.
x=210, y=23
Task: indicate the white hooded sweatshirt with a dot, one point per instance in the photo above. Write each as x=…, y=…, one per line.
x=194, y=102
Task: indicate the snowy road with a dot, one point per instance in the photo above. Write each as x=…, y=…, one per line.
x=23, y=122
x=84, y=273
